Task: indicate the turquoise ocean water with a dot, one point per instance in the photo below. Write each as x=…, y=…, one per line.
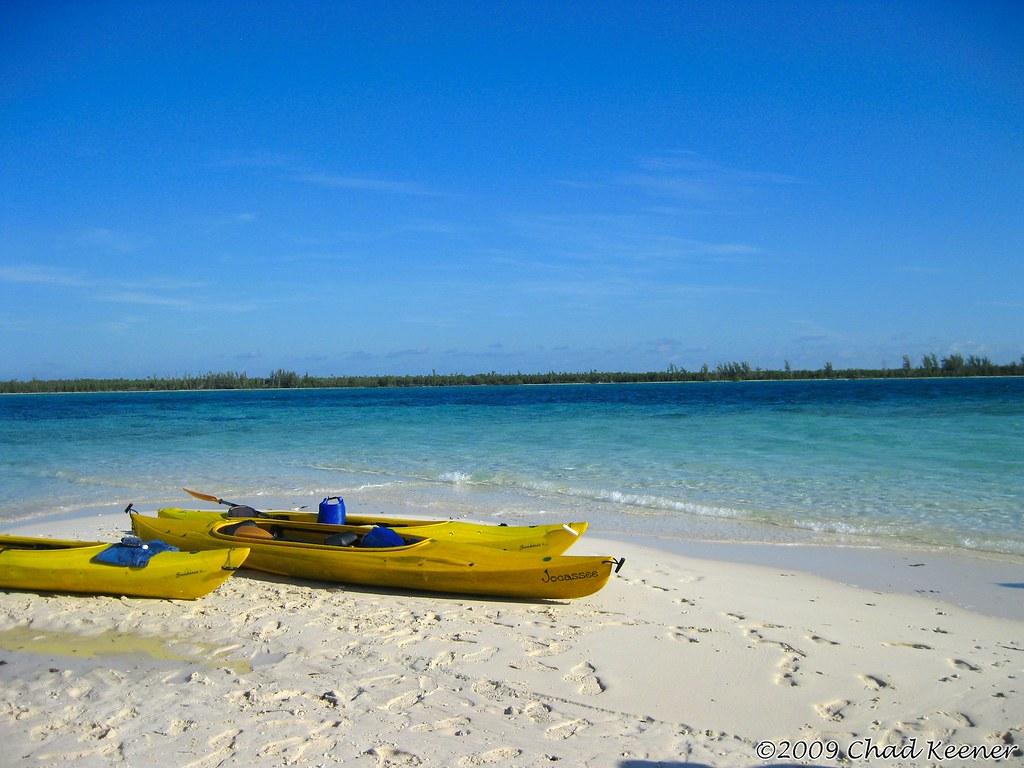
x=935, y=461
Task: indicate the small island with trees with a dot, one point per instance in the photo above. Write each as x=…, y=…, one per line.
x=930, y=366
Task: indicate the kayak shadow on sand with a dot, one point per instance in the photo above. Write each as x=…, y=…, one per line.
x=337, y=586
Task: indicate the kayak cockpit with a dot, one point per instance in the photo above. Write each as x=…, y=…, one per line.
x=333, y=536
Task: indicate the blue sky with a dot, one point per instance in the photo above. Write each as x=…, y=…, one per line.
x=395, y=188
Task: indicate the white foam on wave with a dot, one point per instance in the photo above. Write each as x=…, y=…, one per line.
x=638, y=504
x=313, y=490
x=519, y=513
x=641, y=501
x=633, y=500
x=350, y=470
x=917, y=535
x=1002, y=545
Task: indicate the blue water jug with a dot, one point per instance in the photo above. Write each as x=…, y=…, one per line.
x=332, y=511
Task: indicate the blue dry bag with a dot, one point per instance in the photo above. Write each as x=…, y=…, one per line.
x=332, y=511
x=132, y=552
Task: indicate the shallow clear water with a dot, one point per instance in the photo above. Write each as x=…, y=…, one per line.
x=937, y=461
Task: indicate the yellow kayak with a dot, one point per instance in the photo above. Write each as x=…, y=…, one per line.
x=53, y=565
x=537, y=539
x=333, y=553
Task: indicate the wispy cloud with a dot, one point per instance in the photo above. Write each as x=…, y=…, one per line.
x=123, y=324
x=688, y=187
x=725, y=249
x=685, y=175
x=144, y=299
x=43, y=275
x=585, y=185
x=596, y=291
x=443, y=227
x=814, y=341
x=363, y=183
x=114, y=240
x=920, y=269
x=434, y=320
x=257, y=161
x=295, y=170
x=364, y=356
x=622, y=239
x=695, y=165
x=14, y=324
x=243, y=357
x=157, y=292
x=405, y=353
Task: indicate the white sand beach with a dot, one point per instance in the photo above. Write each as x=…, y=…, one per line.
x=678, y=661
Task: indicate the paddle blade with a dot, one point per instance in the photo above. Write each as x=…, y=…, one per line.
x=206, y=497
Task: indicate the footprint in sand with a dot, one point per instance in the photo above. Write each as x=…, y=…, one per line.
x=484, y=654
x=832, y=710
x=403, y=701
x=583, y=675
x=105, y=752
x=543, y=648
x=268, y=630
x=80, y=691
x=959, y=718
x=567, y=729
x=449, y=726
x=224, y=739
x=498, y=755
x=494, y=690
x=821, y=640
x=914, y=646
x=388, y=756
x=221, y=748
x=290, y=750
x=787, y=669
x=874, y=683
x=538, y=712
x=442, y=660
x=689, y=634
x=42, y=732
x=177, y=727
x=656, y=587
x=99, y=732
x=961, y=664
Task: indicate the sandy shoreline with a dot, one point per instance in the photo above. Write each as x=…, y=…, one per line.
x=679, y=660
x=982, y=582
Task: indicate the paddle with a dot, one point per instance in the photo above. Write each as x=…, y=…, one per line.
x=225, y=502
x=237, y=510
x=209, y=497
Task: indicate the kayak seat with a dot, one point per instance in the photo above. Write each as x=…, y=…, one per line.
x=243, y=511
x=346, y=539
x=250, y=530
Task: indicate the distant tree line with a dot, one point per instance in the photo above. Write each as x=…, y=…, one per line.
x=930, y=366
